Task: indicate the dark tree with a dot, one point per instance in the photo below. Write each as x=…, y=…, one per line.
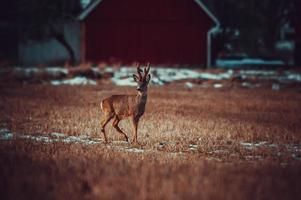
x=296, y=23
x=43, y=20
x=259, y=21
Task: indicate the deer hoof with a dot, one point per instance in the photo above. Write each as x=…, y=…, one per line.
x=134, y=142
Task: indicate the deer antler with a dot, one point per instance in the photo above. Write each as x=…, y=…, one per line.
x=146, y=70
x=139, y=70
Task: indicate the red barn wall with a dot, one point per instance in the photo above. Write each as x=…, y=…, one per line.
x=160, y=31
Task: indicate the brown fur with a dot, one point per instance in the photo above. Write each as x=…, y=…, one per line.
x=118, y=107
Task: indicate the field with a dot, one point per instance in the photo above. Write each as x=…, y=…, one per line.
x=194, y=143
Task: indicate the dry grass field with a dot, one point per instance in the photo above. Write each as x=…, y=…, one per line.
x=199, y=143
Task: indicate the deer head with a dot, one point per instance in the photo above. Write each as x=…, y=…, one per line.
x=142, y=79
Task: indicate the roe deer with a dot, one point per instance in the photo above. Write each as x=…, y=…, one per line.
x=118, y=107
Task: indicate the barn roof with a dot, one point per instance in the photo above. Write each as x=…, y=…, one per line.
x=95, y=3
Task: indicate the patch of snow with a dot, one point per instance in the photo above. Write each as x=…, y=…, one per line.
x=193, y=146
x=251, y=146
x=285, y=45
x=189, y=85
x=275, y=86
x=258, y=72
x=134, y=150
x=124, y=77
x=126, y=149
x=42, y=139
x=74, y=81
x=32, y=71
x=217, y=85
x=5, y=134
x=294, y=147
x=270, y=75
x=290, y=147
x=219, y=151
x=296, y=156
x=293, y=76
x=120, y=142
x=37, y=138
x=73, y=139
x=253, y=157
x=247, y=85
x=58, y=135
x=219, y=76
x=161, y=76
x=56, y=70
x=109, y=69
x=85, y=3
x=124, y=81
x=246, y=62
x=157, y=81
x=28, y=71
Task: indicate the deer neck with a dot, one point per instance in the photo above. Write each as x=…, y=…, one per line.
x=142, y=97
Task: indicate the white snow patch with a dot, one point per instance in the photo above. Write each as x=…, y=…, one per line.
x=250, y=146
x=285, y=45
x=28, y=72
x=217, y=76
x=109, y=69
x=287, y=76
x=124, y=76
x=161, y=76
x=258, y=72
x=275, y=86
x=32, y=71
x=134, y=150
x=126, y=149
x=253, y=157
x=193, y=147
x=5, y=134
x=74, y=81
x=247, y=85
x=56, y=70
x=296, y=156
x=246, y=61
x=189, y=85
x=58, y=135
x=294, y=148
x=217, y=85
x=293, y=76
x=219, y=151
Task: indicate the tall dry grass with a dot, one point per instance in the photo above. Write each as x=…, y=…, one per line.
x=59, y=171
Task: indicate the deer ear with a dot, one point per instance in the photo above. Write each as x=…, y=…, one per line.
x=136, y=79
x=148, y=78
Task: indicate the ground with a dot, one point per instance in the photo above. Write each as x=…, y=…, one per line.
x=194, y=143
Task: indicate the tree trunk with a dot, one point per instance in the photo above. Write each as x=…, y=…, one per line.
x=298, y=53
x=61, y=39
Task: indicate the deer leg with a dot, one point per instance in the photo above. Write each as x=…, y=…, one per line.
x=104, y=122
x=135, y=124
x=115, y=125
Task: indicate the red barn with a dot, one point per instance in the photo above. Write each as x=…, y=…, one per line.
x=160, y=31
